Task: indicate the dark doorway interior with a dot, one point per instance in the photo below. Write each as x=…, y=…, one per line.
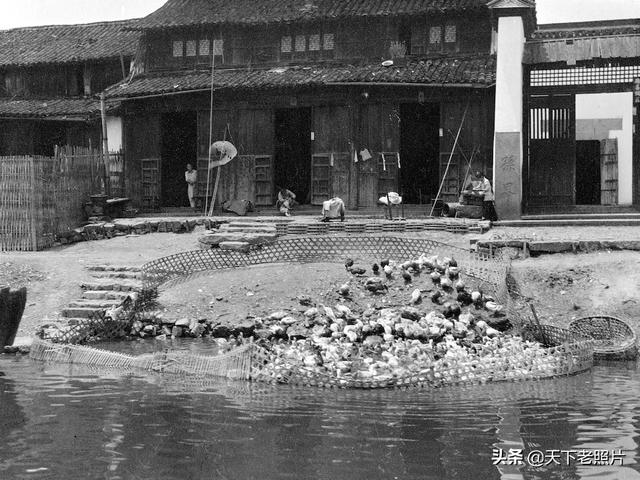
x=419, y=152
x=293, y=152
x=47, y=136
x=179, y=147
x=588, y=172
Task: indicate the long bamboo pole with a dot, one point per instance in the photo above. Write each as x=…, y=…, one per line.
x=444, y=177
x=105, y=144
x=213, y=69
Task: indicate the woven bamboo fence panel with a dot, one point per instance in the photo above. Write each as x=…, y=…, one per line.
x=41, y=197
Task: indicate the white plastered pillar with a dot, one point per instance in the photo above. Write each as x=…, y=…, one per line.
x=507, y=147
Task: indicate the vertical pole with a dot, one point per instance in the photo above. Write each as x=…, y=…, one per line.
x=32, y=205
x=105, y=144
x=213, y=69
x=215, y=191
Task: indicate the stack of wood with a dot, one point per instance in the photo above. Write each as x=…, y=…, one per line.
x=12, y=303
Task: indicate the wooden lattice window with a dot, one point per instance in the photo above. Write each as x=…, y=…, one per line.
x=328, y=41
x=178, y=48
x=285, y=44
x=218, y=47
x=450, y=34
x=585, y=75
x=190, y=48
x=301, y=43
x=205, y=48
x=314, y=42
x=435, y=35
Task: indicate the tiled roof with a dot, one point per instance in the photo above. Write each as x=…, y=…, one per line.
x=574, y=42
x=177, y=13
x=587, y=29
x=472, y=71
x=58, y=108
x=67, y=43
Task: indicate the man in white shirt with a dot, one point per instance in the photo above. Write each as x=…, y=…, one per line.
x=191, y=177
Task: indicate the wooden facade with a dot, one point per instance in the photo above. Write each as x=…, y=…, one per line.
x=343, y=125
x=50, y=77
x=319, y=133
x=314, y=42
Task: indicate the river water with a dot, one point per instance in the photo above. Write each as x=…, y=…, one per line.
x=70, y=422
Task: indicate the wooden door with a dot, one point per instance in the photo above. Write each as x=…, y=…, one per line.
x=552, y=151
x=609, y=171
x=340, y=176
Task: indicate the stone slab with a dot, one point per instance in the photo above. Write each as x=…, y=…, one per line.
x=551, y=246
x=243, y=247
x=250, y=238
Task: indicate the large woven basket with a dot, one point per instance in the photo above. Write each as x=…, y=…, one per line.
x=614, y=338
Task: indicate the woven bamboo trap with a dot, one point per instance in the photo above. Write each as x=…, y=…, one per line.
x=614, y=338
x=562, y=353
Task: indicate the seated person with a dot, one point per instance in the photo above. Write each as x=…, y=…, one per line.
x=333, y=208
x=391, y=198
x=286, y=201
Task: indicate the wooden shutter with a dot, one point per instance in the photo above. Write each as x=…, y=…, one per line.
x=320, y=178
x=263, y=174
x=151, y=184
x=609, y=172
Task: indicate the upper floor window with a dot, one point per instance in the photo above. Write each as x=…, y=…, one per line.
x=308, y=47
x=204, y=48
x=450, y=34
x=178, y=48
x=434, y=38
x=193, y=48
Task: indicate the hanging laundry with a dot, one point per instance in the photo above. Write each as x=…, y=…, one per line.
x=365, y=155
x=384, y=162
x=331, y=160
x=398, y=157
x=355, y=156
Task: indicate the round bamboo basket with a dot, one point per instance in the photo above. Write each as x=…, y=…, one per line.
x=614, y=338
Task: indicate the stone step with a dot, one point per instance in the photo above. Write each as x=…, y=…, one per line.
x=235, y=246
x=101, y=303
x=104, y=295
x=112, y=284
x=113, y=268
x=81, y=312
x=582, y=222
x=248, y=229
x=246, y=223
x=118, y=274
x=215, y=239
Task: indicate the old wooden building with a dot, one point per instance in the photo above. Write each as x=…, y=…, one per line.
x=349, y=98
x=49, y=79
x=581, y=94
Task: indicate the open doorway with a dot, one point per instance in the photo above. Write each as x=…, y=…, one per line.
x=292, y=169
x=179, y=147
x=419, y=152
x=588, y=172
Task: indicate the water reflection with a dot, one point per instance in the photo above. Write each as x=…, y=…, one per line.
x=133, y=425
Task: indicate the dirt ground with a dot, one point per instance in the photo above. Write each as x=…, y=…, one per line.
x=563, y=286
x=569, y=286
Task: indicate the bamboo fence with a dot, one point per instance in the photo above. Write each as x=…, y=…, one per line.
x=42, y=197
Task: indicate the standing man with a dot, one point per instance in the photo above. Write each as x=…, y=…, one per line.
x=488, y=202
x=191, y=177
